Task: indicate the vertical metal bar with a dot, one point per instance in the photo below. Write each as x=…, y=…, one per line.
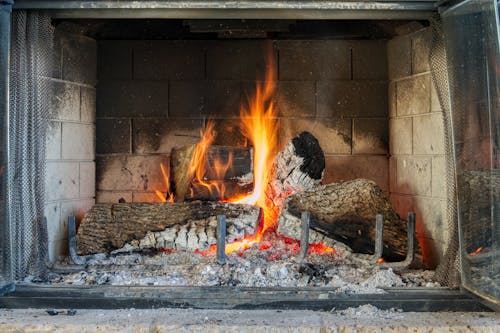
x=304, y=235
x=6, y=273
x=221, y=239
x=410, y=254
x=379, y=237
x=72, y=241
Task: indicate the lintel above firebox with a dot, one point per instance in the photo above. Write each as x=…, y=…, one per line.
x=235, y=9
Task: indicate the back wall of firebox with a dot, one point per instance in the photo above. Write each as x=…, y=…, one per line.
x=368, y=101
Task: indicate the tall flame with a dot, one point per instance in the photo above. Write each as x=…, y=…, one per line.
x=169, y=196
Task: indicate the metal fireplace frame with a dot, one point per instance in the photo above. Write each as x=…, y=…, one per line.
x=421, y=299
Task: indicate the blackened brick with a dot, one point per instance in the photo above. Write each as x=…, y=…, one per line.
x=352, y=99
x=162, y=134
x=201, y=98
x=229, y=133
x=421, y=47
x=413, y=95
x=79, y=59
x=132, y=99
x=245, y=60
x=65, y=100
x=369, y=59
x=399, y=57
x=113, y=136
x=334, y=135
x=310, y=60
x=296, y=98
x=173, y=60
x=370, y=136
x=114, y=59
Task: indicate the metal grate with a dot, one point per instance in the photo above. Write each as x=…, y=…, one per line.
x=31, y=57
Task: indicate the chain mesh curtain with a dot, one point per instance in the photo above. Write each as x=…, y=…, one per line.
x=31, y=55
x=447, y=273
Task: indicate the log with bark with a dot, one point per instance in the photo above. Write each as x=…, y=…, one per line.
x=189, y=225
x=346, y=212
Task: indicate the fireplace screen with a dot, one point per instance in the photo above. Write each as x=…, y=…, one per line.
x=253, y=153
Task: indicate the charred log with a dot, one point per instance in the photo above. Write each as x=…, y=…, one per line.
x=107, y=227
x=346, y=212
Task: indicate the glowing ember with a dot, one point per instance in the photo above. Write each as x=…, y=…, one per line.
x=478, y=250
x=380, y=260
x=168, y=196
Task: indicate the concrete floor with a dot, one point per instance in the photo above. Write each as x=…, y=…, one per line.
x=362, y=319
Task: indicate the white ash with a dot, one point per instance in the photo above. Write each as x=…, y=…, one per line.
x=370, y=311
x=343, y=271
x=193, y=235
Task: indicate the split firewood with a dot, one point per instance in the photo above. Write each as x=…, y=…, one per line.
x=188, y=225
x=346, y=212
x=226, y=169
x=300, y=166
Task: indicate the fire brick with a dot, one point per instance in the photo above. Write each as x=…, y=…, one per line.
x=79, y=59
x=112, y=196
x=115, y=59
x=201, y=98
x=295, y=99
x=65, y=100
x=334, y=135
x=78, y=141
x=113, y=136
x=413, y=175
x=314, y=59
x=62, y=180
x=428, y=134
x=132, y=99
x=399, y=57
x=162, y=134
x=413, y=95
x=421, y=45
x=243, y=60
x=401, y=136
x=87, y=104
x=130, y=173
x=174, y=60
x=352, y=99
x=370, y=136
x=87, y=179
x=53, y=144
x=369, y=59
x=340, y=168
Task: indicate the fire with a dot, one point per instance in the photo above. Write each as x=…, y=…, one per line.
x=380, y=261
x=168, y=196
x=477, y=251
x=259, y=124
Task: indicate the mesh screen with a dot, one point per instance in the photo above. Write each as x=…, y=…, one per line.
x=31, y=56
x=447, y=273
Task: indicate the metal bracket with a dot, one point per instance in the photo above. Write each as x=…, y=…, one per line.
x=72, y=242
x=221, y=239
x=410, y=253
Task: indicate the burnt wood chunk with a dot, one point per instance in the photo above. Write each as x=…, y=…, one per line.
x=235, y=180
x=346, y=212
x=300, y=166
x=108, y=227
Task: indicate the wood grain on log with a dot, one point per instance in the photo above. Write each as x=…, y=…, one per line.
x=108, y=227
x=180, y=160
x=298, y=167
x=346, y=212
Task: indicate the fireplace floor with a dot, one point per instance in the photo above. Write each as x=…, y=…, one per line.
x=273, y=263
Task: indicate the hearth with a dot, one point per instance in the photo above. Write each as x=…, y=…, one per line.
x=188, y=149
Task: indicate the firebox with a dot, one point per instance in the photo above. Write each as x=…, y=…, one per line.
x=240, y=144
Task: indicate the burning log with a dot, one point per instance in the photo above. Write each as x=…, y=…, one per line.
x=189, y=225
x=300, y=166
x=225, y=172
x=346, y=212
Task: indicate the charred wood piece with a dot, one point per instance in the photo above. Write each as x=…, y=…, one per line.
x=304, y=236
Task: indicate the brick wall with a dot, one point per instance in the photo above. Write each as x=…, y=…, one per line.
x=417, y=163
x=70, y=178
x=156, y=95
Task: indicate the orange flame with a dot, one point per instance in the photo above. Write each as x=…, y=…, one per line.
x=380, y=261
x=168, y=196
x=477, y=251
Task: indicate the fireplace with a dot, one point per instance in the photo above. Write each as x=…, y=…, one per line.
x=123, y=94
